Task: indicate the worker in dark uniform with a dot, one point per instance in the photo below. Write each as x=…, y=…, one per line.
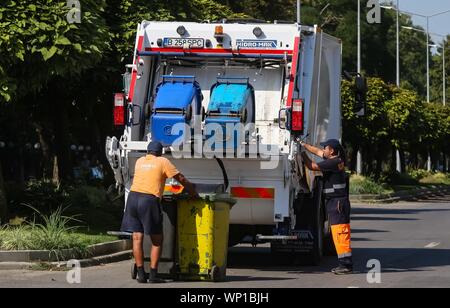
x=336, y=197
x=143, y=214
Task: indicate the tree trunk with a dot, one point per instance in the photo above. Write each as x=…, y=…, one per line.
x=368, y=162
x=402, y=160
x=378, y=168
x=392, y=165
x=444, y=159
x=21, y=160
x=62, y=149
x=55, y=177
x=47, y=162
x=3, y=200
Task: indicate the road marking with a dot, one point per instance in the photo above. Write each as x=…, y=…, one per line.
x=352, y=287
x=432, y=245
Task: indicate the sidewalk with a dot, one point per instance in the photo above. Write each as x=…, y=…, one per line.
x=412, y=194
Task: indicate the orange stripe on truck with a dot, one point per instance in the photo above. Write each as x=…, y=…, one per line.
x=253, y=192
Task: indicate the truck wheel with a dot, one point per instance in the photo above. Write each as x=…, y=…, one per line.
x=315, y=219
x=328, y=244
x=280, y=257
x=318, y=222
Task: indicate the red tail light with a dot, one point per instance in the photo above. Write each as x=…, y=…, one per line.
x=297, y=115
x=119, y=109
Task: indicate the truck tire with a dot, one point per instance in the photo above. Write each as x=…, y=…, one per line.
x=312, y=218
x=328, y=244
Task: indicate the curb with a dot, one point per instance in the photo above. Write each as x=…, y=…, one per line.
x=102, y=254
x=96, y=261
x=404, y=195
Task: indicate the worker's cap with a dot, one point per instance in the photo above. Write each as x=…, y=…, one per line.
x=155, y=147
x=334, y=143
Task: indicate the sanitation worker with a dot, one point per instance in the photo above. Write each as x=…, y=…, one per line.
x=336, y=197
x=143, y=214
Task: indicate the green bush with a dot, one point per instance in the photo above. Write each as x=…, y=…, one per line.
x=396, y=178
x=16, y=238
x=42, y=195
x=418, y=174
x=88, y=197
x=55, y=234
x=90, y=203
x=363, y=185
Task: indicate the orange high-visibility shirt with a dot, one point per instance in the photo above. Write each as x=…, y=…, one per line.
x=151, y=173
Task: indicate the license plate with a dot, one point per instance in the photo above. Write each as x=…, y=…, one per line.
x=180, y=42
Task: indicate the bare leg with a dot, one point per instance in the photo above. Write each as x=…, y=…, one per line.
x=156, y=250
x=138, y=251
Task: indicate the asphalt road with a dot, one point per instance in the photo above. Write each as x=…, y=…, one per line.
x=411, y=240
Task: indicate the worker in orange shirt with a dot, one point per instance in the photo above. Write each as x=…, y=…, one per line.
x=143, y=214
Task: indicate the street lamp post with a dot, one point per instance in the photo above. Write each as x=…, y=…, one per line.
x=443, y=58
x=359, y=38
x=358, y=70
x=398, y=165
x=398, y=44
x=443, y=61
x=444, y=82
x=428, y=37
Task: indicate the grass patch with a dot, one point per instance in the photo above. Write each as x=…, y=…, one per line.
x=363, y=185
x=54, y=234
x=92, y=239
x=46, y=267
x=438, y=178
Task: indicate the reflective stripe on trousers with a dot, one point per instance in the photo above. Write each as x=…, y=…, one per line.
x=336, y=186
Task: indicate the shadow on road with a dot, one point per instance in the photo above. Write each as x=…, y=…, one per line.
x=402, y=259
x=391, y=259
x=261, y=259
x=367, y=231
x=379, y=218
x=393, y=211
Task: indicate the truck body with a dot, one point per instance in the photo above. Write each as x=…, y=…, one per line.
x=274, y=83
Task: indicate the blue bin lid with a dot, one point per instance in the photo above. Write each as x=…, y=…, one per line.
x=222, y=120
x=227, y=98
x=175, y=95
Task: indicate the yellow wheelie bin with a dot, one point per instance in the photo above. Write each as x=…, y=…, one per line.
x=202, y=230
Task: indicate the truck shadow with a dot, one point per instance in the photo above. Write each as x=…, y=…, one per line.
x=402, y=259
x=260, y=258
x=391, y=260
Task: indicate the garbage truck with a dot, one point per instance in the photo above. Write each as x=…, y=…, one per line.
x=230, y=102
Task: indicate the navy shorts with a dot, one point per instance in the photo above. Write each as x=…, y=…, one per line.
x=143, y=214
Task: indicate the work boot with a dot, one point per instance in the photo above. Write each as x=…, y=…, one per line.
x=153, y=277
x=342, y=270
x=142, y=276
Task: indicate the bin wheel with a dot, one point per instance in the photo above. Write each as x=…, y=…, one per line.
x=189, y=113
x=216, y=274
x=133, y=271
